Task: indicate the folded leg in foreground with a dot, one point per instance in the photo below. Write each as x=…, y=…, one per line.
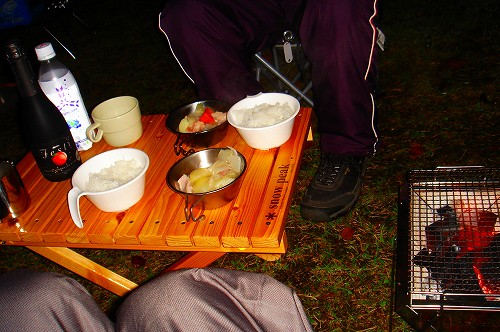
x=186, y=300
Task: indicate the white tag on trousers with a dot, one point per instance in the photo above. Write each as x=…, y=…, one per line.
x=287, y=49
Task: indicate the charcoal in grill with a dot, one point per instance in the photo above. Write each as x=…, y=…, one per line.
x=453, y=271
x=442, y=232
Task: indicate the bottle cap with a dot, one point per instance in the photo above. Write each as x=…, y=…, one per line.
x=45, y=51
x=14, y=49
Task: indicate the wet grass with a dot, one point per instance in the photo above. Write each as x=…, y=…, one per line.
x=438, y=107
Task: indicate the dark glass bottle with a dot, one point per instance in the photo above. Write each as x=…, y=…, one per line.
x=44, y=127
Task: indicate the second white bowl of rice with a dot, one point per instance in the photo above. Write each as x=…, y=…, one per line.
x=264, y=121
x=113, y=181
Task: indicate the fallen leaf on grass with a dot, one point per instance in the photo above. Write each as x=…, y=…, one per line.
x=138, y=261
x=416, y=150
x=347, y=233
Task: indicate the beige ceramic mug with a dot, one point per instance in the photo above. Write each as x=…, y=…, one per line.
x=117, y=120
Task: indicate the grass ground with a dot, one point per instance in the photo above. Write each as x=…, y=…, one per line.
x=438, y=107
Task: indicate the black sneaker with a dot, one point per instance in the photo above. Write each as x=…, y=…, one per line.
x=334, y=188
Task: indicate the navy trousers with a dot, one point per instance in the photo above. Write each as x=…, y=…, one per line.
x=214, y=40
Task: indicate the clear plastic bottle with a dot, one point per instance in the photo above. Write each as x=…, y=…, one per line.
x=60, y=86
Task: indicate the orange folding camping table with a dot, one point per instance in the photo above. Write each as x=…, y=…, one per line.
x=254, y=222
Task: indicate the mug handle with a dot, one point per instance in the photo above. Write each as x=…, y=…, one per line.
x=74, y=206
x=92, y=135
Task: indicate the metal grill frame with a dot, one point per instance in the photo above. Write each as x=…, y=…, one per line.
x=424, y=192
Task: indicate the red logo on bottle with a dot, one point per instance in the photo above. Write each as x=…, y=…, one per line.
x=59, y=158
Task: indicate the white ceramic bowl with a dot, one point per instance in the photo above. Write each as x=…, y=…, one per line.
x=265, y=138
x=113, y=200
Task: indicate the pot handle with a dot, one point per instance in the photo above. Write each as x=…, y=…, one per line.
x=178, y=149
x=188, y=211
x=74, y=206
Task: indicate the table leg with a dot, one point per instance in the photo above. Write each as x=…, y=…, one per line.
x=86, y=268
x=269, y=257
x=196, y=259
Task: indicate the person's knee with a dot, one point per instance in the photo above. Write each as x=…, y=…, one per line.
x=213, y=298
x=48, y=301
x=20, y=283
x=183, y=15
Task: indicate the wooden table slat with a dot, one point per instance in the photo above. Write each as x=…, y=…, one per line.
x=155, y=228
x=241, y=222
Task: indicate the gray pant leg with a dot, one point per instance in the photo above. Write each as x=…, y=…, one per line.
x=212, y=300
x=43, y=301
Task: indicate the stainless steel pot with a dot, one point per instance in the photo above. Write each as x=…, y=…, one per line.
x=208, y=200
x=202, y=139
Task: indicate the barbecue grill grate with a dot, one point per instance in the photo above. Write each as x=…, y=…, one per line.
x=453, y=230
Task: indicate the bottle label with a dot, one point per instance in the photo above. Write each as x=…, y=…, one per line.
x=65, y=95
x=58, y=158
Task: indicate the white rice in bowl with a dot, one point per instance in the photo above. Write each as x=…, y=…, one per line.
x=262, y=115
x=121, y=172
